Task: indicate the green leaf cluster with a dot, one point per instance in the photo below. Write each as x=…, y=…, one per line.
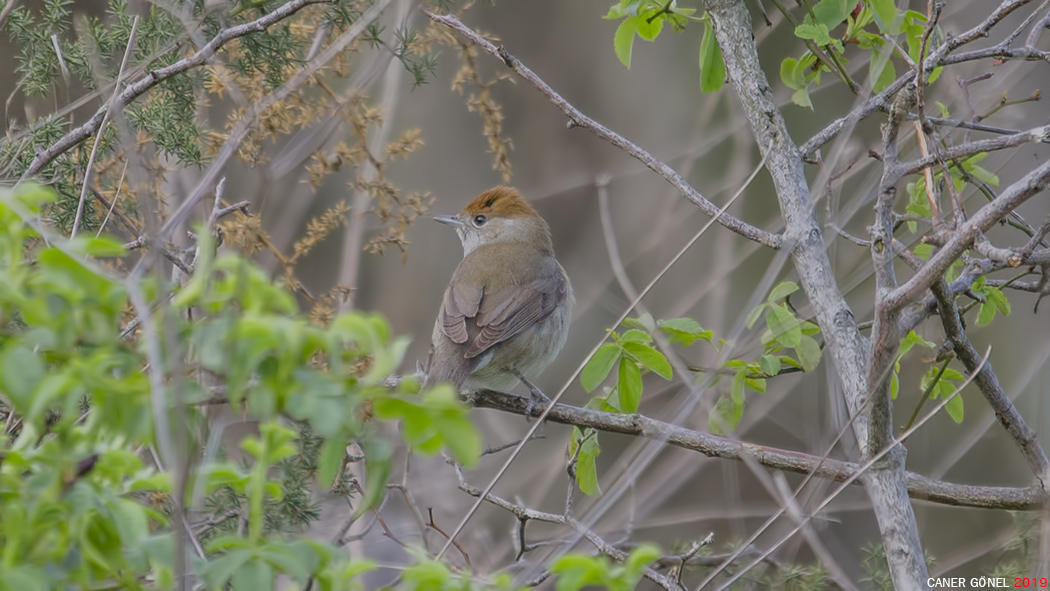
x=784, y=331
x=79, y=506
x=576, y=571
x=994, y=302
x=869, y=26
x=632, y=354
x=646, y=19
x=961, y=173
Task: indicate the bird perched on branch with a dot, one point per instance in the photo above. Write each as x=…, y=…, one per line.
x=505, y=315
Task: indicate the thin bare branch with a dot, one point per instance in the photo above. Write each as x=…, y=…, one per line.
x=154, y=77
x=578, y=119
x=102, y=128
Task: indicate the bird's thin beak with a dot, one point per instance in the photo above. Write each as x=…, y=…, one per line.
x=449, y=220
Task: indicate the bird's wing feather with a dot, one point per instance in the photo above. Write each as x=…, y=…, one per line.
x=461, y=302
x=506, y=311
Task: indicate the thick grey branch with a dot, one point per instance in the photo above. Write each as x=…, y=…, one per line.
x=919, y=487
x=884, y=483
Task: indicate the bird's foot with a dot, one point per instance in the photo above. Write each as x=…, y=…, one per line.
x=537, y=399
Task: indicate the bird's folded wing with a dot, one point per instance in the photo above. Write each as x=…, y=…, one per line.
x=506, y=312
x=461, y=302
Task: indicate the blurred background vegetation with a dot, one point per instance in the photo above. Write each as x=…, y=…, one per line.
x=464, y=130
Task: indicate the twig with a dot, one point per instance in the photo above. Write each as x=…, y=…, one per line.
x=140, y=86
x=962, y=151
x=578, y=119
x=498, y=448
x=431, y=524
x=251, y=115
x=525, y=513
x=933, y=14
x=966, y=125
x=6, y=11
x=964, y=235
x=116, y=197
x=102, y=128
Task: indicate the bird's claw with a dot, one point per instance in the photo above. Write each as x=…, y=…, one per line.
x=536, y=396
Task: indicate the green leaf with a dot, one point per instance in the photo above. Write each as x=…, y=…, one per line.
x=754, y=314
x=781, y=291
x=895, y=385
x=770, y=364
x=586, y=468
x=788, y=67
x=999, y=300
x=623, y=41
x=194, y=288
x=629, y=386
x=881, y=73
x=954, y=408
x=986, y=314
x=24, y=578
x=219, y=570
x=101, y=246
x=923, y=251
x=637, y=336
x=649, y=30
x=20, y=372
x=725, y=416
x=599, y=366
x=801, y=98
x=330, y=461
x=386, y=359
x=650, y=358
x=460, y=437
x=912, y=339
x=576, y=572
x=681, y=324
x=297, y=565
x=637, y=561
x=817, y=33
x=736, y=391
x=254, y=575
x=832, y=13
x=982, y=174
x=784, y=326
x=712, y=67
x=378, y=464
x=643, y=323
x=885, y=12
x=615, y=13
x=808, y=353
x=685, y=331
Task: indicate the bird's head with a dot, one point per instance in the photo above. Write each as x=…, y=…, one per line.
x=499, y=215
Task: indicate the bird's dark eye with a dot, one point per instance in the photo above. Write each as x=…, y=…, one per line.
x=479, y=220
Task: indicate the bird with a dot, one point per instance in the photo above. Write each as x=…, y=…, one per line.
x=506, y=312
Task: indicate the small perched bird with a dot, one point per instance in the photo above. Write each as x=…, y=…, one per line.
x=505, y=315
